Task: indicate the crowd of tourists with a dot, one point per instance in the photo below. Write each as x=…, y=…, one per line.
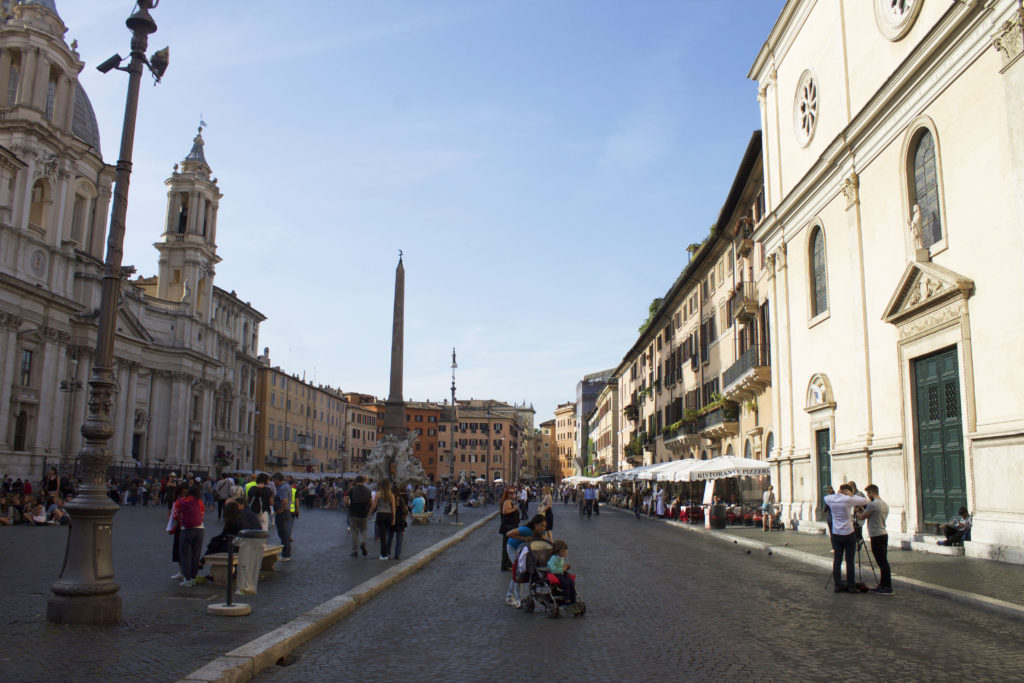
x=23, y=503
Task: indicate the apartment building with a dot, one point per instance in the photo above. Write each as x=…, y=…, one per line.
x=301, y=426
x=565, y=441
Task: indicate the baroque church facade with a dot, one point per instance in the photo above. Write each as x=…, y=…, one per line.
x=893, y=171
x=185, y=349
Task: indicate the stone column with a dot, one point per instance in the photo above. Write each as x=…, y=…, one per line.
x=78, y=401
x=5, y=75
x=157, y=413
x=26, y=80
x=179, y=418
x=61, y=409
x=129, y=410
x=49, y=382
x=9, y=324
x=67, y=101
x=117, y=414
x=42, y=78
x=193, y=212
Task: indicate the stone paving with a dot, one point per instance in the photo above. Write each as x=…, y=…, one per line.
x=662, y=605
x=166, y=633
x=999, y=580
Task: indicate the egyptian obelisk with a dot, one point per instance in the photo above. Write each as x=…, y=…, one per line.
x=394, y=407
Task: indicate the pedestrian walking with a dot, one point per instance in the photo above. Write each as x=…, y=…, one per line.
x=187, y=513
x=384, y=506
x=260, y=499
x=524, y=502
x=397, y=531
x=545, y=507
x=358, y=501
x=222, y=492
x=509, y=520
x=431, y=496
x=285, y=512
x=767, y=507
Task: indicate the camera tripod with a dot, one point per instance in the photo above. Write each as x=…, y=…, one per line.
x=859, y=575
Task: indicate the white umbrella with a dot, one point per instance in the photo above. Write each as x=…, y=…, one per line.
x=651, y=473
x=727, y=466
x=679, y=470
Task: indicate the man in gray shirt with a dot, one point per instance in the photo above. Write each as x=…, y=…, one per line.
x=875, y=512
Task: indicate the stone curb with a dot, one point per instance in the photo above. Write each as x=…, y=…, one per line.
x=1002, y=607
x=243, y=663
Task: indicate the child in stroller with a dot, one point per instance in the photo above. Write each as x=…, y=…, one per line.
x=544, y=588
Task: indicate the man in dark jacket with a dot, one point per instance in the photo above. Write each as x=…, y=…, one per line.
x=358, y=503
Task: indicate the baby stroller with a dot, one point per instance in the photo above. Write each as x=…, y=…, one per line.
x=540, y=591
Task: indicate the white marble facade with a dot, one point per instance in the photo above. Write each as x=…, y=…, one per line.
x=893, y=158
x=185, y=354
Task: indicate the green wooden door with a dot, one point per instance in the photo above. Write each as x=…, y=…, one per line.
x=940, y=438
x=822, y=449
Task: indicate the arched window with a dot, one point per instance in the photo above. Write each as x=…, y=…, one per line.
x=728, y=450
x=819, y=287
x=748, y=450
x=924, y=186
x=769, y=445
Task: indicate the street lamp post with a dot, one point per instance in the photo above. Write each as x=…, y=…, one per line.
x=85, y=592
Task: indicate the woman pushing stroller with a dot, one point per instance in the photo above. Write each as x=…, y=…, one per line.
x=535, y=529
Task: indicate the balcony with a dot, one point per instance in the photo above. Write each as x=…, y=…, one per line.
x=275, y=461
x=680, y=438
x=748, y=376
x=720, y=422
x=744, y=301
x=744, y=237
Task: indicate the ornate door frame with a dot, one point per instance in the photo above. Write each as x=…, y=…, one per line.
x=930, y=311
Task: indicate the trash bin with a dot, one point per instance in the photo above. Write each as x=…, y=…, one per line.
x=250, y=556
x=718, y=517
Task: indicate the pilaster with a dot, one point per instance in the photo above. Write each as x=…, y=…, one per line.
x=9, y=324
x=128, y=430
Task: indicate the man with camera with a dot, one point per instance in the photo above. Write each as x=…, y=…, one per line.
x=844, y=540
x=876, y=513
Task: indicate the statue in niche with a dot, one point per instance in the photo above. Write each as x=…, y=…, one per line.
x=916, y=227
x=186, y=292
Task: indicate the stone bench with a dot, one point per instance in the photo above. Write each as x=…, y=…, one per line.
x=217, y=563
x=420, y=517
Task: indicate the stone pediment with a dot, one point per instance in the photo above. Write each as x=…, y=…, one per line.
x=924, y=286
x=129, y=325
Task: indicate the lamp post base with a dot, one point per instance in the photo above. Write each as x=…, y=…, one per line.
x=86, y=592
x=84, y=610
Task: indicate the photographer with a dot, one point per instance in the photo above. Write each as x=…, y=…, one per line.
x=875, y=514
x=844, y=542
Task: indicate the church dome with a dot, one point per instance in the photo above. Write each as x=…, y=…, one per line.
x=48, y=4
x=83, y=122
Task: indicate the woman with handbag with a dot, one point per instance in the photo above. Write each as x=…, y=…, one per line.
x=384, y=506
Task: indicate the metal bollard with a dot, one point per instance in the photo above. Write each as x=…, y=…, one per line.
x=231, y=572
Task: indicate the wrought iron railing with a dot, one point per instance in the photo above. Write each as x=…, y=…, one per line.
x=750, y=358
x=745, y=291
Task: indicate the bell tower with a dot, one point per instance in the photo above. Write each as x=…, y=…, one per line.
x=188, y=246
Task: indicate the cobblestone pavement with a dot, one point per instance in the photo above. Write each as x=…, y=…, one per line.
x=166, y=633
x=662, y=605
x=999, y=580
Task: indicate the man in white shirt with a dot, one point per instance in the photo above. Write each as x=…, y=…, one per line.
x=844, y=542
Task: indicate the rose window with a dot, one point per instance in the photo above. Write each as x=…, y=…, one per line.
x=806, y=112
x=895, y=17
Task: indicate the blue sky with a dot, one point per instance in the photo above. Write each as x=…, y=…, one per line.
x=542, y=164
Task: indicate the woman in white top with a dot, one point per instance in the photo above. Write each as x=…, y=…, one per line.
x=545, y=508
x=767, y=507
